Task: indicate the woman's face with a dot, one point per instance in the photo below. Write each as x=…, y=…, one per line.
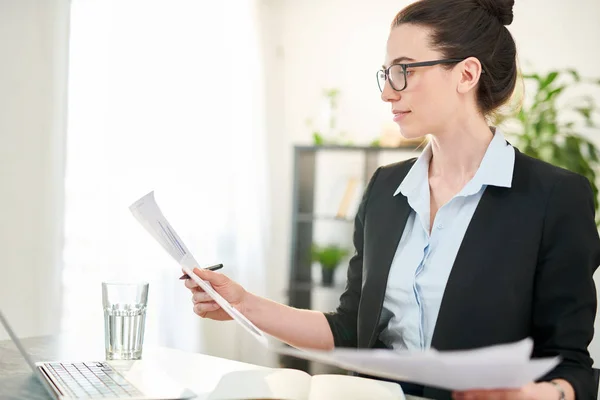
x=430, y=98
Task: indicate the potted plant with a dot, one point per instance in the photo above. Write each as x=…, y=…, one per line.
x=550, y=122
x=329, y=257
x=328, y=133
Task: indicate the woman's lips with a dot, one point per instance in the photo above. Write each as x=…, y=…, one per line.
x=400, y=115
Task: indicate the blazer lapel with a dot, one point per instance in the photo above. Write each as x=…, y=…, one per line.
x=385, y=225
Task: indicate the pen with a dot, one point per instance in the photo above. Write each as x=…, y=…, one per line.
x=211, y=268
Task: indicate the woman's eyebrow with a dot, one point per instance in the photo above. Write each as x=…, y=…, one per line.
x=398, y=60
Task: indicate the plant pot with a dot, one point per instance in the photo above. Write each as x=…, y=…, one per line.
x=327, y=276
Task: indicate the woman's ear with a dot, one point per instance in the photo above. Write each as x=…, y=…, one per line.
x=470, y=71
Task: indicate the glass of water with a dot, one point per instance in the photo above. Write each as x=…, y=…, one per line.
x=124, y=319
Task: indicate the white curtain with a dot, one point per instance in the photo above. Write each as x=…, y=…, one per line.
x=165, y=95
x=33, y=84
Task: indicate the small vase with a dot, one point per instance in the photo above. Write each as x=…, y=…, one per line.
x=327, y=276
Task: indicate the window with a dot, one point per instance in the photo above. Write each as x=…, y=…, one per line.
x=164, y=96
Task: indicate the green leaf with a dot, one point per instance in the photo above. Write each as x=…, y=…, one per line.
x=328, y=256
x=332, y=94
x=592, y=152
x=572, y=143
x=548, y=80
x=318, y=139
x=555, y=92
x=585, y=111
x=531, y=151
x=535, y=77
x=521, y=116
x=575, y=74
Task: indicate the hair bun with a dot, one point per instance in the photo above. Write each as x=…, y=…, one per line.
x=500, y=9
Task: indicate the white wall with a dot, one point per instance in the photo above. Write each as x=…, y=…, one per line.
x=32, y=108
x=272, y=27
x=337, y=43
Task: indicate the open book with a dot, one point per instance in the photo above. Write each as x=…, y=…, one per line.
x=291, y=384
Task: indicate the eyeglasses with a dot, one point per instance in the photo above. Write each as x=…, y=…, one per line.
x=396, y=73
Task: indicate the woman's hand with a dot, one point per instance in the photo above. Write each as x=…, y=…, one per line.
x=532, y=391
x=300, y=328
x=204, y=305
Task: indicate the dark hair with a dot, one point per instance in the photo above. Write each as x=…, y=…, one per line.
x=472, y=28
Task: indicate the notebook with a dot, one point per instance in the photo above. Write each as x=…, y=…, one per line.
x=291, y=384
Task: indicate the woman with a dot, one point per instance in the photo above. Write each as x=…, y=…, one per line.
x=471, y=244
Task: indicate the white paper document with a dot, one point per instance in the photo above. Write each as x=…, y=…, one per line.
x=149, y=215
x=502, y=366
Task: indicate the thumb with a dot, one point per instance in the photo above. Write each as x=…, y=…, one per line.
x=215, y=278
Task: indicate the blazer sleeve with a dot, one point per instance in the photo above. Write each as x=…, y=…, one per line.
x=343, y=322
x=564, y=304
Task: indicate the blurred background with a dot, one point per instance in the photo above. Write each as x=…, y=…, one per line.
x=256, y=123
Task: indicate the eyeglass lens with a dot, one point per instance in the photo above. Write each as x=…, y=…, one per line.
x=396, y=76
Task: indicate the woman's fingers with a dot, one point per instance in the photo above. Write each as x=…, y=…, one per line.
x=214, y=278
x=197, y=290
x=190, y=284
x=200, y=297
x=205, y=307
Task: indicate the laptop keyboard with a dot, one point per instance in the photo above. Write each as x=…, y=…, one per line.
x=92, y=380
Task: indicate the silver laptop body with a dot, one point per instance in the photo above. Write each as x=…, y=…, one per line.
x=101, y=379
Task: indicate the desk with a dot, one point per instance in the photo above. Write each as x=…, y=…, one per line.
x=199, y=372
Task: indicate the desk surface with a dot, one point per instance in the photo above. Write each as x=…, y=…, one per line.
x=199, y=372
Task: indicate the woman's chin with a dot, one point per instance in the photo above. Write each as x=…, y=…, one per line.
x=412, y=134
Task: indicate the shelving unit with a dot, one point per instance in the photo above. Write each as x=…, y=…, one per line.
x=304, y=216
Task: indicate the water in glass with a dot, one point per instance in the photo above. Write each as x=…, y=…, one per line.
x=124, y=320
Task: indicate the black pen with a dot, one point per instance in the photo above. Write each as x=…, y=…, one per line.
x=211, y=268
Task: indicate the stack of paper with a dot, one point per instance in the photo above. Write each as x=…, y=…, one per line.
x=503, y=366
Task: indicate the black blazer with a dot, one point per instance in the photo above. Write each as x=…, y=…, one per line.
x=524, y=269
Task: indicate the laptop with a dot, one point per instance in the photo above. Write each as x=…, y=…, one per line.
x=101, y=379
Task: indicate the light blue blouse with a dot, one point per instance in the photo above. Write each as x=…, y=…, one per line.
x=423, y=261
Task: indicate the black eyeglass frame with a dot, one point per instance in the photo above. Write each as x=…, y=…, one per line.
x=386, y=71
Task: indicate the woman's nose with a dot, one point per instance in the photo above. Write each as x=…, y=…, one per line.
x=389, y=94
